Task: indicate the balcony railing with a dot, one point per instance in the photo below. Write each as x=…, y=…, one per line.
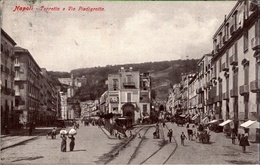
x=17, y=64
x=254, y=86
x=233, y=92
x=243, y=89
x=233, y=59
x=129, y=84
x=255, y=43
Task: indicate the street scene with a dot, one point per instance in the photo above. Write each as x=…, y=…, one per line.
x=130, y=83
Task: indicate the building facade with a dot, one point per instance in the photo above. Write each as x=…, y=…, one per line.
x=8, y=116
x=129, y=94
x=227, y=85
x=27, y=85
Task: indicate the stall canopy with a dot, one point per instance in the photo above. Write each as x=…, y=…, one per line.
x=213, y=121
x=250, y=124
x=225, y=122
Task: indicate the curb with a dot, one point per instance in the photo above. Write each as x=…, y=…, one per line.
x=108, y=136
x=15, y=144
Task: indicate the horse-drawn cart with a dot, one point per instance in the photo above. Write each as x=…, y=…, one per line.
x=202, y=135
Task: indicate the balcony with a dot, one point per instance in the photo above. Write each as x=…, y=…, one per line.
x=233, y=59
x=17, y=64
x=254, y=87
x=225, y=96
x=17, y=78
x=243, y=89
x=129, y=84
x=233, y=93
x=255, y=43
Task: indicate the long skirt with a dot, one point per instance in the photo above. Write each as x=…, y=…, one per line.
x=72, y=144
x=63, y=146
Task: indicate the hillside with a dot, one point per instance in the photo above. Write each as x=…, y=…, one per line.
x=163, y=74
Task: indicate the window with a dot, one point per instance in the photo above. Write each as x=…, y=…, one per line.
x=115, y=84
x=129, y=78
x=246, y=41
x=128, y=97
x=5, y=85
x=227, y=31
x=227, y=58
x=145, y=109
x=246, y=69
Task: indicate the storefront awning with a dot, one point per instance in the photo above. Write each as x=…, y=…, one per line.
x=250, y=124
x=195, y=117
x=225, y=122
x=213, y=121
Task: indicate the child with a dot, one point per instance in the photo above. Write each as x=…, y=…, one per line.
x=182, y=138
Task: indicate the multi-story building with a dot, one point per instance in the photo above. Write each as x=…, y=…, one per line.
x=227, y=84
x=8, y=116
x=235, y=66
x=27, y=85
x=51, y=97
x=129, y=94
x=203, y=104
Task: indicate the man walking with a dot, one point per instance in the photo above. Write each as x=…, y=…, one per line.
x=170, y=135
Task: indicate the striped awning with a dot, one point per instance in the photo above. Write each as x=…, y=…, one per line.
x=213, y=121
x=250, y=124
x=225, y=122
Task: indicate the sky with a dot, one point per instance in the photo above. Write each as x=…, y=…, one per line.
x=123, y=33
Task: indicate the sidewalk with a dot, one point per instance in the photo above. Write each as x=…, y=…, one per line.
x=17, y=137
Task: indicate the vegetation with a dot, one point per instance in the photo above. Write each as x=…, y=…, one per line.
x=164, y=74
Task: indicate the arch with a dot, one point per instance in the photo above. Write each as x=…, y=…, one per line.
x=128, y=111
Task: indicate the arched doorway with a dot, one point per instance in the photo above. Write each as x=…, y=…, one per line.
x=128, y=111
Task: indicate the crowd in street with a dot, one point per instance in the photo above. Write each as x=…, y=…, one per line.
x=199, y=131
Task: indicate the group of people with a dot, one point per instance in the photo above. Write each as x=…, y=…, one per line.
x=64, y=142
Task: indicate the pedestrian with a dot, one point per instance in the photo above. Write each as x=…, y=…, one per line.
x=53, y=133
x=170, y=135
x=189, y=131
x=233, y=136
x=244, y=142
x=63, y=143
x=193, y=132
x=183, y=137
x=163, y=123
x=30, y=129
x=72, y=142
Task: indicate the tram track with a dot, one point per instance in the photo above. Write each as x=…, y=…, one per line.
x=162, y=154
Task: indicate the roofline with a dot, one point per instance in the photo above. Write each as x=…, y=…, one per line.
x=227, y=17
x=8, y=37
x=22, y=50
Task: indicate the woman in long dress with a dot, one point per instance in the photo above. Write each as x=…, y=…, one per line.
x=72, y=142
x=63, y=143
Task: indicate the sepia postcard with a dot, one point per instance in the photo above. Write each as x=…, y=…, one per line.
x=130, y=82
